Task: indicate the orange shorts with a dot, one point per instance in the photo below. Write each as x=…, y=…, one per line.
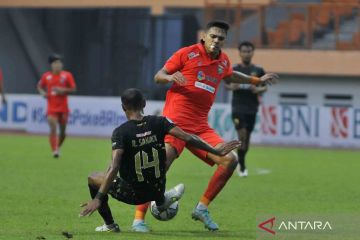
x=209, y=136
x=61, y=117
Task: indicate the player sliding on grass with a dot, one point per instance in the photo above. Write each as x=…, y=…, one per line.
x=55, y=85
x=195, y=73
x=139, y=157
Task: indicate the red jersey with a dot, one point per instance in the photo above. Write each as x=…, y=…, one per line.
x=188, y=105
x=57, y=103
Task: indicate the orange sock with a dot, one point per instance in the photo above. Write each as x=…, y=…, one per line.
x=141, y=211
x=205, y=201
x=53, y=142
x=216, y=184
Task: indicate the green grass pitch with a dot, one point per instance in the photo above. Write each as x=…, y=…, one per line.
x=40, y=196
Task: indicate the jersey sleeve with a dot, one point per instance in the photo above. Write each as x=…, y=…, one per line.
x=176, y=62
x=42, y=82
x=229, y=70
x=71, y=81
x=167, y=124
x=117, y=139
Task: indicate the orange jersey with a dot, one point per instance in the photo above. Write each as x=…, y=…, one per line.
x=57, y=103
x=188, y=105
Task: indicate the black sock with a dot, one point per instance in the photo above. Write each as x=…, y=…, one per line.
x=241, y=155
x=104, y=209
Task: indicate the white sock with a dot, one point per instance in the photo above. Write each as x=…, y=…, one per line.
x=201, y=206
x=137, y=221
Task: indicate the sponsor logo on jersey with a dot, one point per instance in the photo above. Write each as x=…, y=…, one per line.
x=201, y=75
x=339, y=122
x=62, y=79
x=193, y=55
x=220, y=69
x=205, y=87
x=268, y=120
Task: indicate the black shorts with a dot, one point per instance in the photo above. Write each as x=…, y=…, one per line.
x=134, y=195
x=244, y=120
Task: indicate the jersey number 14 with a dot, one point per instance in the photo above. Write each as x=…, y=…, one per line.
x=142, y=162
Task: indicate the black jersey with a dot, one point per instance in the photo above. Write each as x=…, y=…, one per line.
x=244, y=100
x=143, y=161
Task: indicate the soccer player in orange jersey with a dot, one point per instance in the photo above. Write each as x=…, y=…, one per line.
x=2, y=91
x=55, y=85
x=195, y=73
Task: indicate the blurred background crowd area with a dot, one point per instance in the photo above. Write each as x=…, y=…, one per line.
x=115, y=44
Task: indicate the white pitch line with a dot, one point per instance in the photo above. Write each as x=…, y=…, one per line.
x=262, y=171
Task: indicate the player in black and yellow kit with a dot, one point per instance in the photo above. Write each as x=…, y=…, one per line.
x=245, y=102
x=139, y=156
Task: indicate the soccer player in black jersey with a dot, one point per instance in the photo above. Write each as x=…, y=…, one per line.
x=245, y=102
x=139, y=156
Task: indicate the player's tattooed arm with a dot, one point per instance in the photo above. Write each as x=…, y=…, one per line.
x=197, y=142
x=110, y=175
x=163, y=77
x=238, y=77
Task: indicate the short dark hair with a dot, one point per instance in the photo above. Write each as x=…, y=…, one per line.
x=218, y=23
x=133, y=99
x=54, y=57
x=246, y=44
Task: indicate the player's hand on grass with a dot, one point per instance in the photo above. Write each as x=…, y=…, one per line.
x=178, y=78
x=228, y=147
x=269, y=78
x=90, y=207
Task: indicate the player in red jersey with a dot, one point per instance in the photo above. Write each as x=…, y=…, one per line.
x=195, y=73
x=2, y=91
x=55, y=85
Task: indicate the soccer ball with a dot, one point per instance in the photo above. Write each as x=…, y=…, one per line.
x=165, y=215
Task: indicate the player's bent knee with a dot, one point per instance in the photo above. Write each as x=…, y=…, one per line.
x=229, y=161
x=95, y=178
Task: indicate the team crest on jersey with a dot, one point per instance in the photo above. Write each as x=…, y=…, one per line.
x=62, y=80
x=193, y=55
x=201, y=75
x=48, y=77
x=220, y=69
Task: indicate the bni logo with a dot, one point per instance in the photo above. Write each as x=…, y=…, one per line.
x=268, y=120
x=340, y=122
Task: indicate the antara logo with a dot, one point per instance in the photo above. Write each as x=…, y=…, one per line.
x=300, y=225
x=340, y=122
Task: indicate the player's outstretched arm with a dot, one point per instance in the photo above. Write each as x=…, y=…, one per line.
x=238, y=77
x=163, y=77
x=197, y=142
x=110, y=175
